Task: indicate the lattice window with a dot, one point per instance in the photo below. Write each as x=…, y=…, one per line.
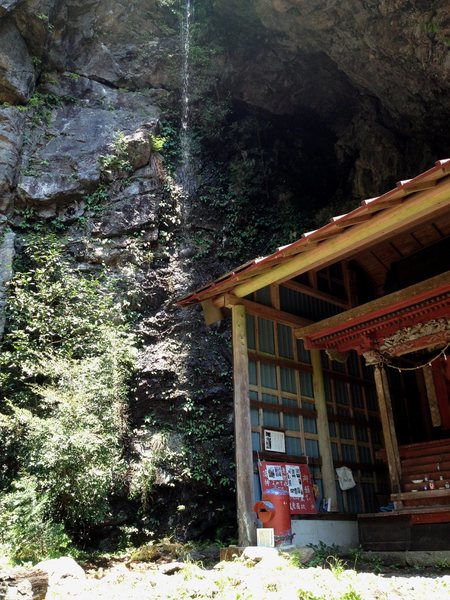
x=355, y=429
x=281, y=388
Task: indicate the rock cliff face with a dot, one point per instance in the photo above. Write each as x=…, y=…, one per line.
x=299, y=107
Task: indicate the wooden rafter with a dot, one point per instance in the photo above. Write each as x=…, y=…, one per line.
x=314, y=293
x=390, y=202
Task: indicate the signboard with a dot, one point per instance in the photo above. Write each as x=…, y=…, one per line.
x=295, y=479
x=274, y=441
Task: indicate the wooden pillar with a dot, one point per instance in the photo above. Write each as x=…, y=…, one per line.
x=323, y=430
x=243, y=431
x=387, y=422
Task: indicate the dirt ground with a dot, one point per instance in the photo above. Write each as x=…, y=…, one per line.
x=269, y=576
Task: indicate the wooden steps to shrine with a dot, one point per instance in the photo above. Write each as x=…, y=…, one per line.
x=408, y=528
x=425, y=498
x=425, y=469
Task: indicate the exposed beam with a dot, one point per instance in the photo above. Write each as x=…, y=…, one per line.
x=304, y=289
x=211, y=313
x=260, y=310
x=349, y=222
x=394, y=198
x=243, y=431
x=426, y=206
x=420, y=186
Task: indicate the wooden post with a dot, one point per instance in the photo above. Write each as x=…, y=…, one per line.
x=387, y=422
x=243, y=431
x=328, y=477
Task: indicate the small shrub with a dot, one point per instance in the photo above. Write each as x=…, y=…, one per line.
x=118, y=160
x=337, y=566
x=158, y=142
x=377, y=564
x=323, y=553
x=443, y=564
x=147, y=553
x=305, y=595
x=356, y=555
x=42, y=106
x=351, y=595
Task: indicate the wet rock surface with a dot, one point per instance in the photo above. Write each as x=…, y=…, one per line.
x=11, y=139
x=7, y=252
x=62, y=160
x=16, y=68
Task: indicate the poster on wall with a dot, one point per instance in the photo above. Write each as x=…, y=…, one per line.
x=295, y=479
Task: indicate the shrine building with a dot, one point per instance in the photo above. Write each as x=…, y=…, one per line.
x=340, y=347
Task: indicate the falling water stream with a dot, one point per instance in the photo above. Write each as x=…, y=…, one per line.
x=186, y=169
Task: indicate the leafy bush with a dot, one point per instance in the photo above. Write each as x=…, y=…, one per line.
x=64, y=365
x=25, y=529
x=158, y=142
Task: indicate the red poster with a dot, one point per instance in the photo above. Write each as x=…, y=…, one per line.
x=295, y=479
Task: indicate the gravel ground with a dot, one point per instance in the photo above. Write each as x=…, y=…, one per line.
x=272, y=577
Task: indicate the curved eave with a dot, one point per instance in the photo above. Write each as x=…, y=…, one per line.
x=370, y=208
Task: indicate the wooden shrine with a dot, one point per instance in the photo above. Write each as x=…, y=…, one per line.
x=340, y=345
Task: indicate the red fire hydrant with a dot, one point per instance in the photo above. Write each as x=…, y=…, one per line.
x=274, y=512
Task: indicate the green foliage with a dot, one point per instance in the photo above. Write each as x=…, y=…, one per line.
x=37, y=62
x=351, y=595
x=306, y=595
x=142, y=474
x=337, y=565
x=171, y=148
x=168, y=3
x=432, y=28
x=95, y=202
x=28, y=220
x=26, y=532
x=210, y=105
x=442, y=564
x=376, y=564
x=157, y=142
x=324, y=555
x=42, y=106
x=117, y=162
x=64, y=365
x=71, y=75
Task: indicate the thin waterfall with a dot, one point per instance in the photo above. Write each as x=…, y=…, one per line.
x=186, y=172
